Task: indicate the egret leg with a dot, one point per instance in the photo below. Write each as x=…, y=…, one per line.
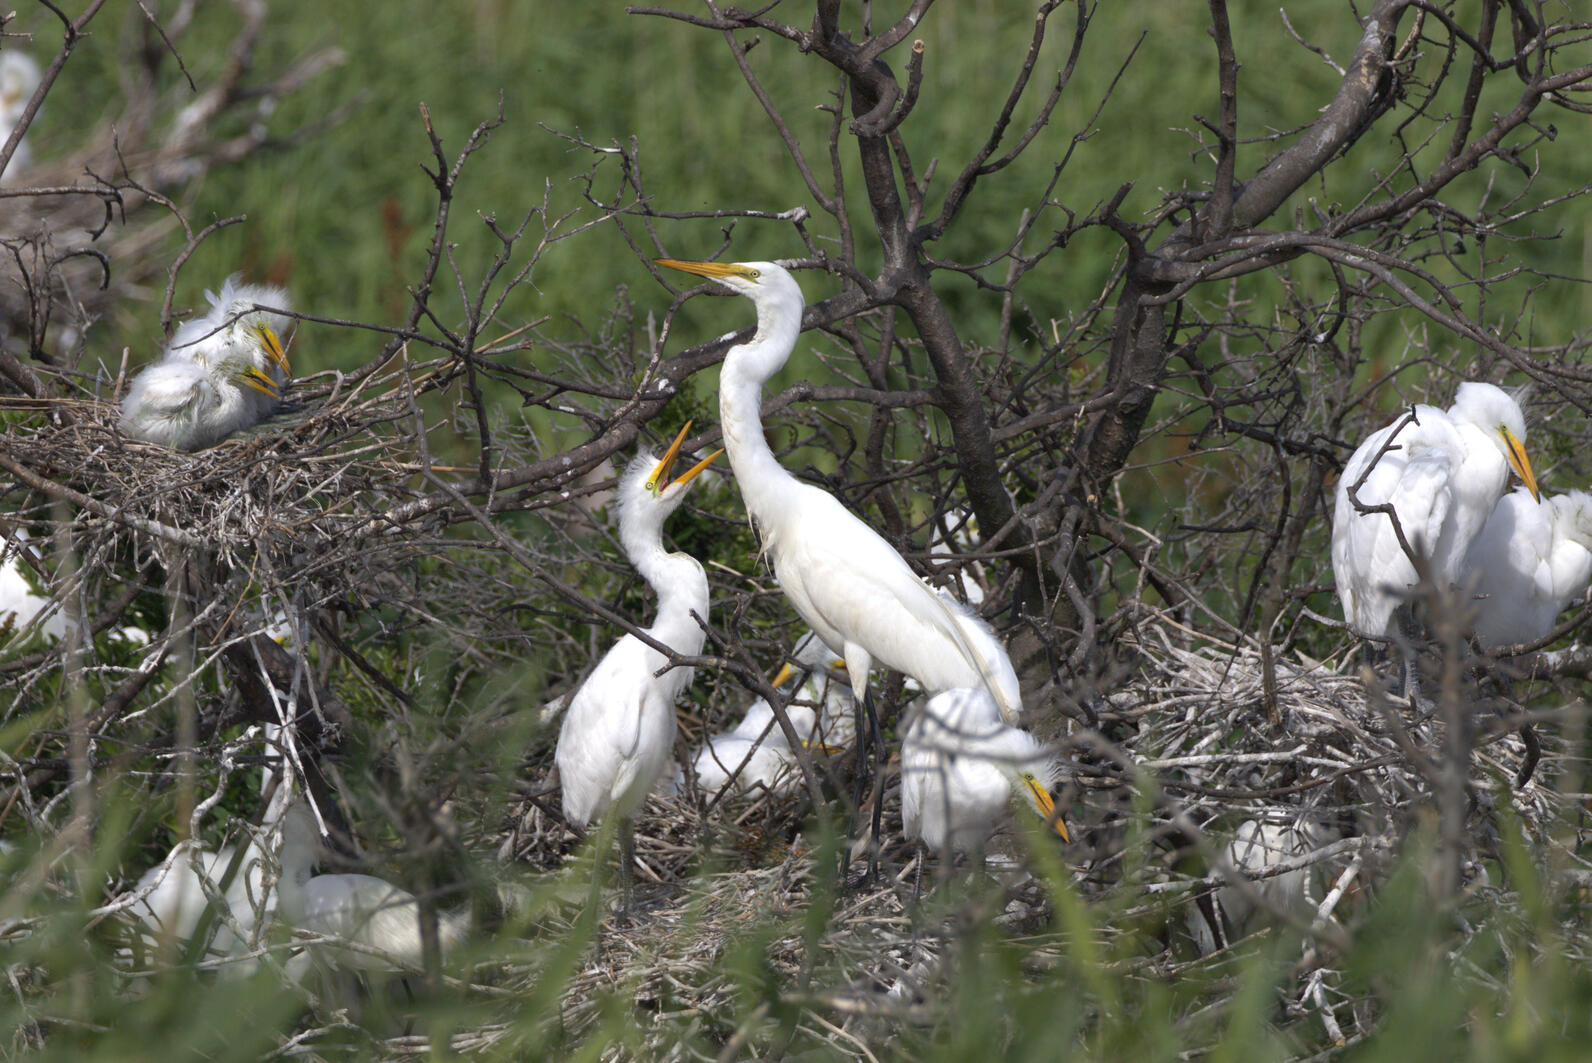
x=1408, y=635
x=627, y=858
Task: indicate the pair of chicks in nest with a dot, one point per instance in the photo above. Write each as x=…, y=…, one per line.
x=220, y=374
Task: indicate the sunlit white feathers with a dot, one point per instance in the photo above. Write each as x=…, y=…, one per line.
x=1443, y=474
x=962, y=767
x=185, y=406
x=1530, y=561
x=234, y=333
x=850, y=586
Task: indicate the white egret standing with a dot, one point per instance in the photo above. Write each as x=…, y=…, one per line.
x=185, y=406
x=1532, y=558
x=1443, y=473
x=961, y=766
x=619, y=727
x=844, y=580
x=19, y=77
x=362, y=911
x=233, y=332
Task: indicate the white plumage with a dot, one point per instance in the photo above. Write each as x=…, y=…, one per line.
x=847, y=583
x=19, y=78
x=182, y=405
x=619, y=727
x=1443, y=475
x=235, y=334
x=756, y=753
x=961, y=767
x=19, y=605
x=175, y=899
x=1530, y=561
x=826, y=688
x=360, y=910
x=1256, y=848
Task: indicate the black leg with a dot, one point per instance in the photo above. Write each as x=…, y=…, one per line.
x=627, y=859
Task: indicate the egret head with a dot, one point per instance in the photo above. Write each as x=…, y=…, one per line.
x=811, y=655
x=661, y=483
x=767, y=284
x=235, y=328
x=1497, y=413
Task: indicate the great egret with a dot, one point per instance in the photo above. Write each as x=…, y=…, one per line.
x=20, y=607
x=362, y=911
x=19, y=77
x=235, y=333
x=619, y=728
x=845, y=581
x=1442, y=473
x=186, y=406
x=961, y=766
x=1532, y=558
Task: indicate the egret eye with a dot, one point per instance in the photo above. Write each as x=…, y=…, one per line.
x=754, y=274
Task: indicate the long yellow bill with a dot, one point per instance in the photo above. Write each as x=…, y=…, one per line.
x=1046, y=806
x=273, y=348
x=1517, y=457
x=711, y=270
x=659, y=480
x=253, y=378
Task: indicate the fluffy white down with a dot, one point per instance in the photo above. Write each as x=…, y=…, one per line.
x=959, y=769
x=1444, y=475
x=181, y=405
x=230, y=334
x=361, y=910
x=1529, y=562
x=756, y=754
x=619, y=728
x=19, y=77
x=19, y=605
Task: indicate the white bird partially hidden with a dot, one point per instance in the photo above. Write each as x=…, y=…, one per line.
x=19, y=78
x=1256, y=848
x=20, y=605
x=185, y=406
x=352, y=914
x=962, y=767
x=755, y=755
x=1532, y=558
x=619, y=728
x=826, y=688
x=844, y=580
x=1442, y=473
x=235, y=333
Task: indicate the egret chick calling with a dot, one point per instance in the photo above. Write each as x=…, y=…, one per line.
x=234, y=332
x=186, y=406
x=619, y=728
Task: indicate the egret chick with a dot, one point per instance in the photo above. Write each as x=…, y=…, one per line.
x=756, y=754
x=19, y=78
x=825, y=687
x=1257, y=847
x=20, y=607
x=233, y=332
x=362, y=911
x=619, y=728
x=1530, y=561
x=961, y=767
x=185, y=406
x=844, y=580
x=1442, y=473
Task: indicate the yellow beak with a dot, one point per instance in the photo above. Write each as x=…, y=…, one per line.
x=1517, y=457
x=1045, y=805
x=253, y=378
x=659, y=480
x=711, y=270
x=273, y=348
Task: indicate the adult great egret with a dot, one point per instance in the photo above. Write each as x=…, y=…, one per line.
x=1442, y=473
x=185, y=406
x=1530, y=560
x=379, y=920
x=235, y=333
x=960, y=768
x=846, y=582
x=619, y=727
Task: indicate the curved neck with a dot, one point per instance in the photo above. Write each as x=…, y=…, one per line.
x=678, y=581
x=762, y=479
